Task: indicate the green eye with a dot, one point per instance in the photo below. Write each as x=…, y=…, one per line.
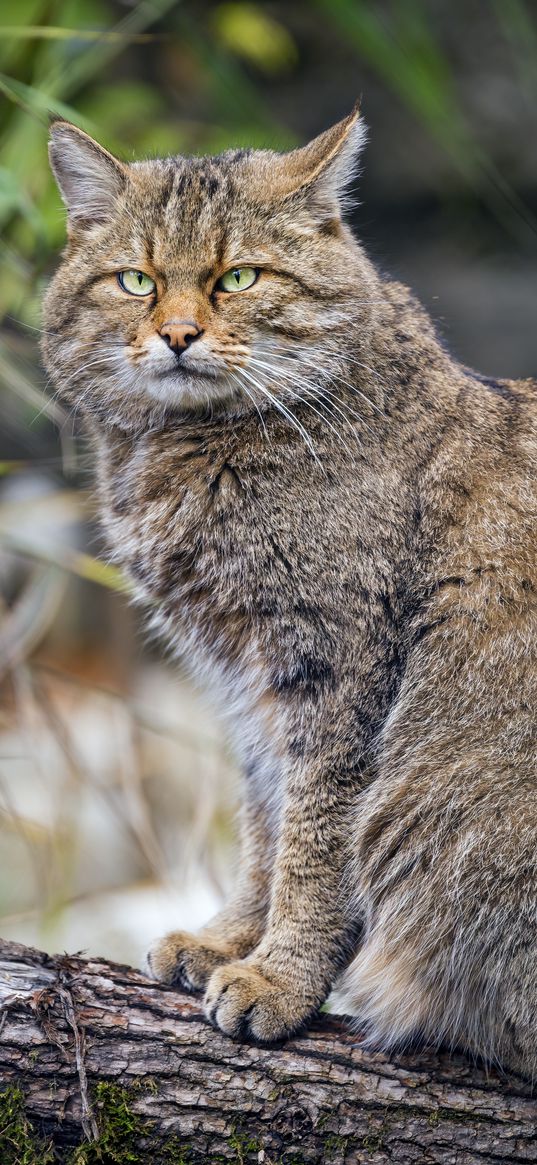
x=238, y=279
x=136, y=282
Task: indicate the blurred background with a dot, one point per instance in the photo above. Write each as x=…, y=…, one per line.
x=117, y=792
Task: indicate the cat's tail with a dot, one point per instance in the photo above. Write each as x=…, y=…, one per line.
x=449, y=953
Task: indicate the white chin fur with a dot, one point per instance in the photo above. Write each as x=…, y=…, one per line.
x=185, y=392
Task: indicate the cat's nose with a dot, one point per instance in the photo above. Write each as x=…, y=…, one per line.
x=178, y=334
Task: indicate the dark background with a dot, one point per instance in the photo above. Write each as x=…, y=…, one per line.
x=112, y=782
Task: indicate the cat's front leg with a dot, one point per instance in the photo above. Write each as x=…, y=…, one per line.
x=311, y=932
x=188, y=960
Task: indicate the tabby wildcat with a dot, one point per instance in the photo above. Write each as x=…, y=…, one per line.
x=334, y=522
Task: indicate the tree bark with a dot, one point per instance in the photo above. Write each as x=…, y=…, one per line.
x=88, y=1041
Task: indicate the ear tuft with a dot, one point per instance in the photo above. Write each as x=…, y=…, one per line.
x=331, y=159
x=321, y=172
x=90, y=179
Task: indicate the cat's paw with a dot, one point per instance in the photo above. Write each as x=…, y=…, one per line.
x=245, y=1005
x=186, y=960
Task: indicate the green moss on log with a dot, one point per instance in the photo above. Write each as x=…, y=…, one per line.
x=20, y=1144
x=124, y=1137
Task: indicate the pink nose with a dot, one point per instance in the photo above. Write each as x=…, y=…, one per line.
x=178, y=334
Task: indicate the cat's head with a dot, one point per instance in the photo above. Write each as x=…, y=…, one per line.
x=195, y=282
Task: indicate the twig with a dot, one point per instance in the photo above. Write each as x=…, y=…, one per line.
x=88, y=1122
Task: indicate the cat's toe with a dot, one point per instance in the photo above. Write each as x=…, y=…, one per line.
x=244, y=1004
x=182, y=960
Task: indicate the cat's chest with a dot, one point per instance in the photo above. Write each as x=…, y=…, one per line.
x=242, y=548
x=180, y=517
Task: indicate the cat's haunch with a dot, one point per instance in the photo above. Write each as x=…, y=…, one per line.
x=334, y=523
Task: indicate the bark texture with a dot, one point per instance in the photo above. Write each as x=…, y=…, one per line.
x=90, y=1042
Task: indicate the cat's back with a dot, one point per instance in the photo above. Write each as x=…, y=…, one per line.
x=482, y=473
x=479, y=502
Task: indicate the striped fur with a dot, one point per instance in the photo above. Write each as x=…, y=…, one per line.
x=333, y=522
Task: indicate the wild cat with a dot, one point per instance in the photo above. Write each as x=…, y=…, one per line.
x=334, y=522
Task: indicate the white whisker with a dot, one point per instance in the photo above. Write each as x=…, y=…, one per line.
x=315, y=360
x=285, y=412
x=320, y=389
x=254, y=402
x=303, y=394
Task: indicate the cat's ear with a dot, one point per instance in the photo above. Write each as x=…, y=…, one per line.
x=323, y=170
x=90, y=179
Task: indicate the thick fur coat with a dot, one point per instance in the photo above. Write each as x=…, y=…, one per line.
x=334, y=523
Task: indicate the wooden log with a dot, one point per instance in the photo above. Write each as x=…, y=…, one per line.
x=102, y=1064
